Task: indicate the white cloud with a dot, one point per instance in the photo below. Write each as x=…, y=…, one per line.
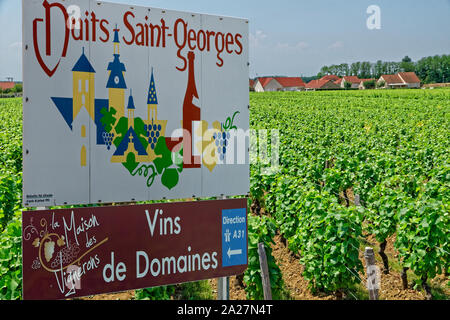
x=289, y=47
x=257, y=39
x=336, y=45
x=302, y=45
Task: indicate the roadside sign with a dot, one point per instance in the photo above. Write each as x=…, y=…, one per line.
x=86, y=251
x=234, y=237
x=126, y=103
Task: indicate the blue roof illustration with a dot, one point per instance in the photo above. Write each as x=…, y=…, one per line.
x=116, y=78
x=65, y=107
x=83, y=64
x=123, y=146
x=131, y=101
x=152, y=97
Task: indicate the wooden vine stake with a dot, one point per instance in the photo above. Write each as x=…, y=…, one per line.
x=373, y=281
x=264, y=272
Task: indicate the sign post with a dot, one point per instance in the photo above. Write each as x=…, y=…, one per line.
x=125, y=104
x=118, y=248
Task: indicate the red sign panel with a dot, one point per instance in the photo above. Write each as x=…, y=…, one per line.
x=85, y=251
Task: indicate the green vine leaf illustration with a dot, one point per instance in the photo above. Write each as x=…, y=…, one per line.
x=167, y=159
x=170, y=178
x=108, y=120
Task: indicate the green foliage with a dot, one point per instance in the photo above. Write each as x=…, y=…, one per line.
x=381, y=84
x=389, y=148
x=327, y=240
x=434, y=69
x=11, y=260
x=157, y=293
x=17, y=88
x=200, y=290
x=11, y=135
x=347, y=85
x=422, y=237
x=384, y=204
x=10, y=196
x=10, y=159
x=262, y=230
x=370, y=84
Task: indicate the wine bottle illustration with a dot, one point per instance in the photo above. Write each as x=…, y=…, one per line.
x=191, y=116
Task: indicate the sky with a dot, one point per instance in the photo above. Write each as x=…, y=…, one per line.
x=293, y=37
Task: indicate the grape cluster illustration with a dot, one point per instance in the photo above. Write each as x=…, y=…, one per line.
x=66, y=255
x=153, y=134
x=222, y=140
x=108, y=138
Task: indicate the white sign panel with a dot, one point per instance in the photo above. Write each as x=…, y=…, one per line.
x=126, y=103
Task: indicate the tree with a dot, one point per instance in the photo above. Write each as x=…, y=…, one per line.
x=324, y=71
x=345, y=69
x=429, y=69
x=381, y=84
x=347, y=85
x=377, y=69
x=18, y=88
x=371, y=84
x=355, y=68
x=365, y=70
x=407, y=65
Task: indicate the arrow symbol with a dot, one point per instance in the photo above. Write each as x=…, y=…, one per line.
x=233, y=252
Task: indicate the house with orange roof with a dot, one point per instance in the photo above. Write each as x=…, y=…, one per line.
x=291, y=83
x=251, y=84
x=262, y=84
x=354, y=80
x=270, y=84
x=5, y=85
x=331, y=77
x=399, y=80
x=321, y=84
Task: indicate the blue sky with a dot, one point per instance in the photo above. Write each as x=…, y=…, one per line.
x=294, y=37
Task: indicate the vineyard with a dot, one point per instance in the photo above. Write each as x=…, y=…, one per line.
x=356, y=169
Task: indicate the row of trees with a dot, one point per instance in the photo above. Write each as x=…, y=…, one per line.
x=430, y=69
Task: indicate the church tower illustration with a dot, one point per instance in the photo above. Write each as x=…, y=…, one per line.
x=83, y=98
x=152, y=101
x=154, y=127
x=116, y=81
x=131, y=109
